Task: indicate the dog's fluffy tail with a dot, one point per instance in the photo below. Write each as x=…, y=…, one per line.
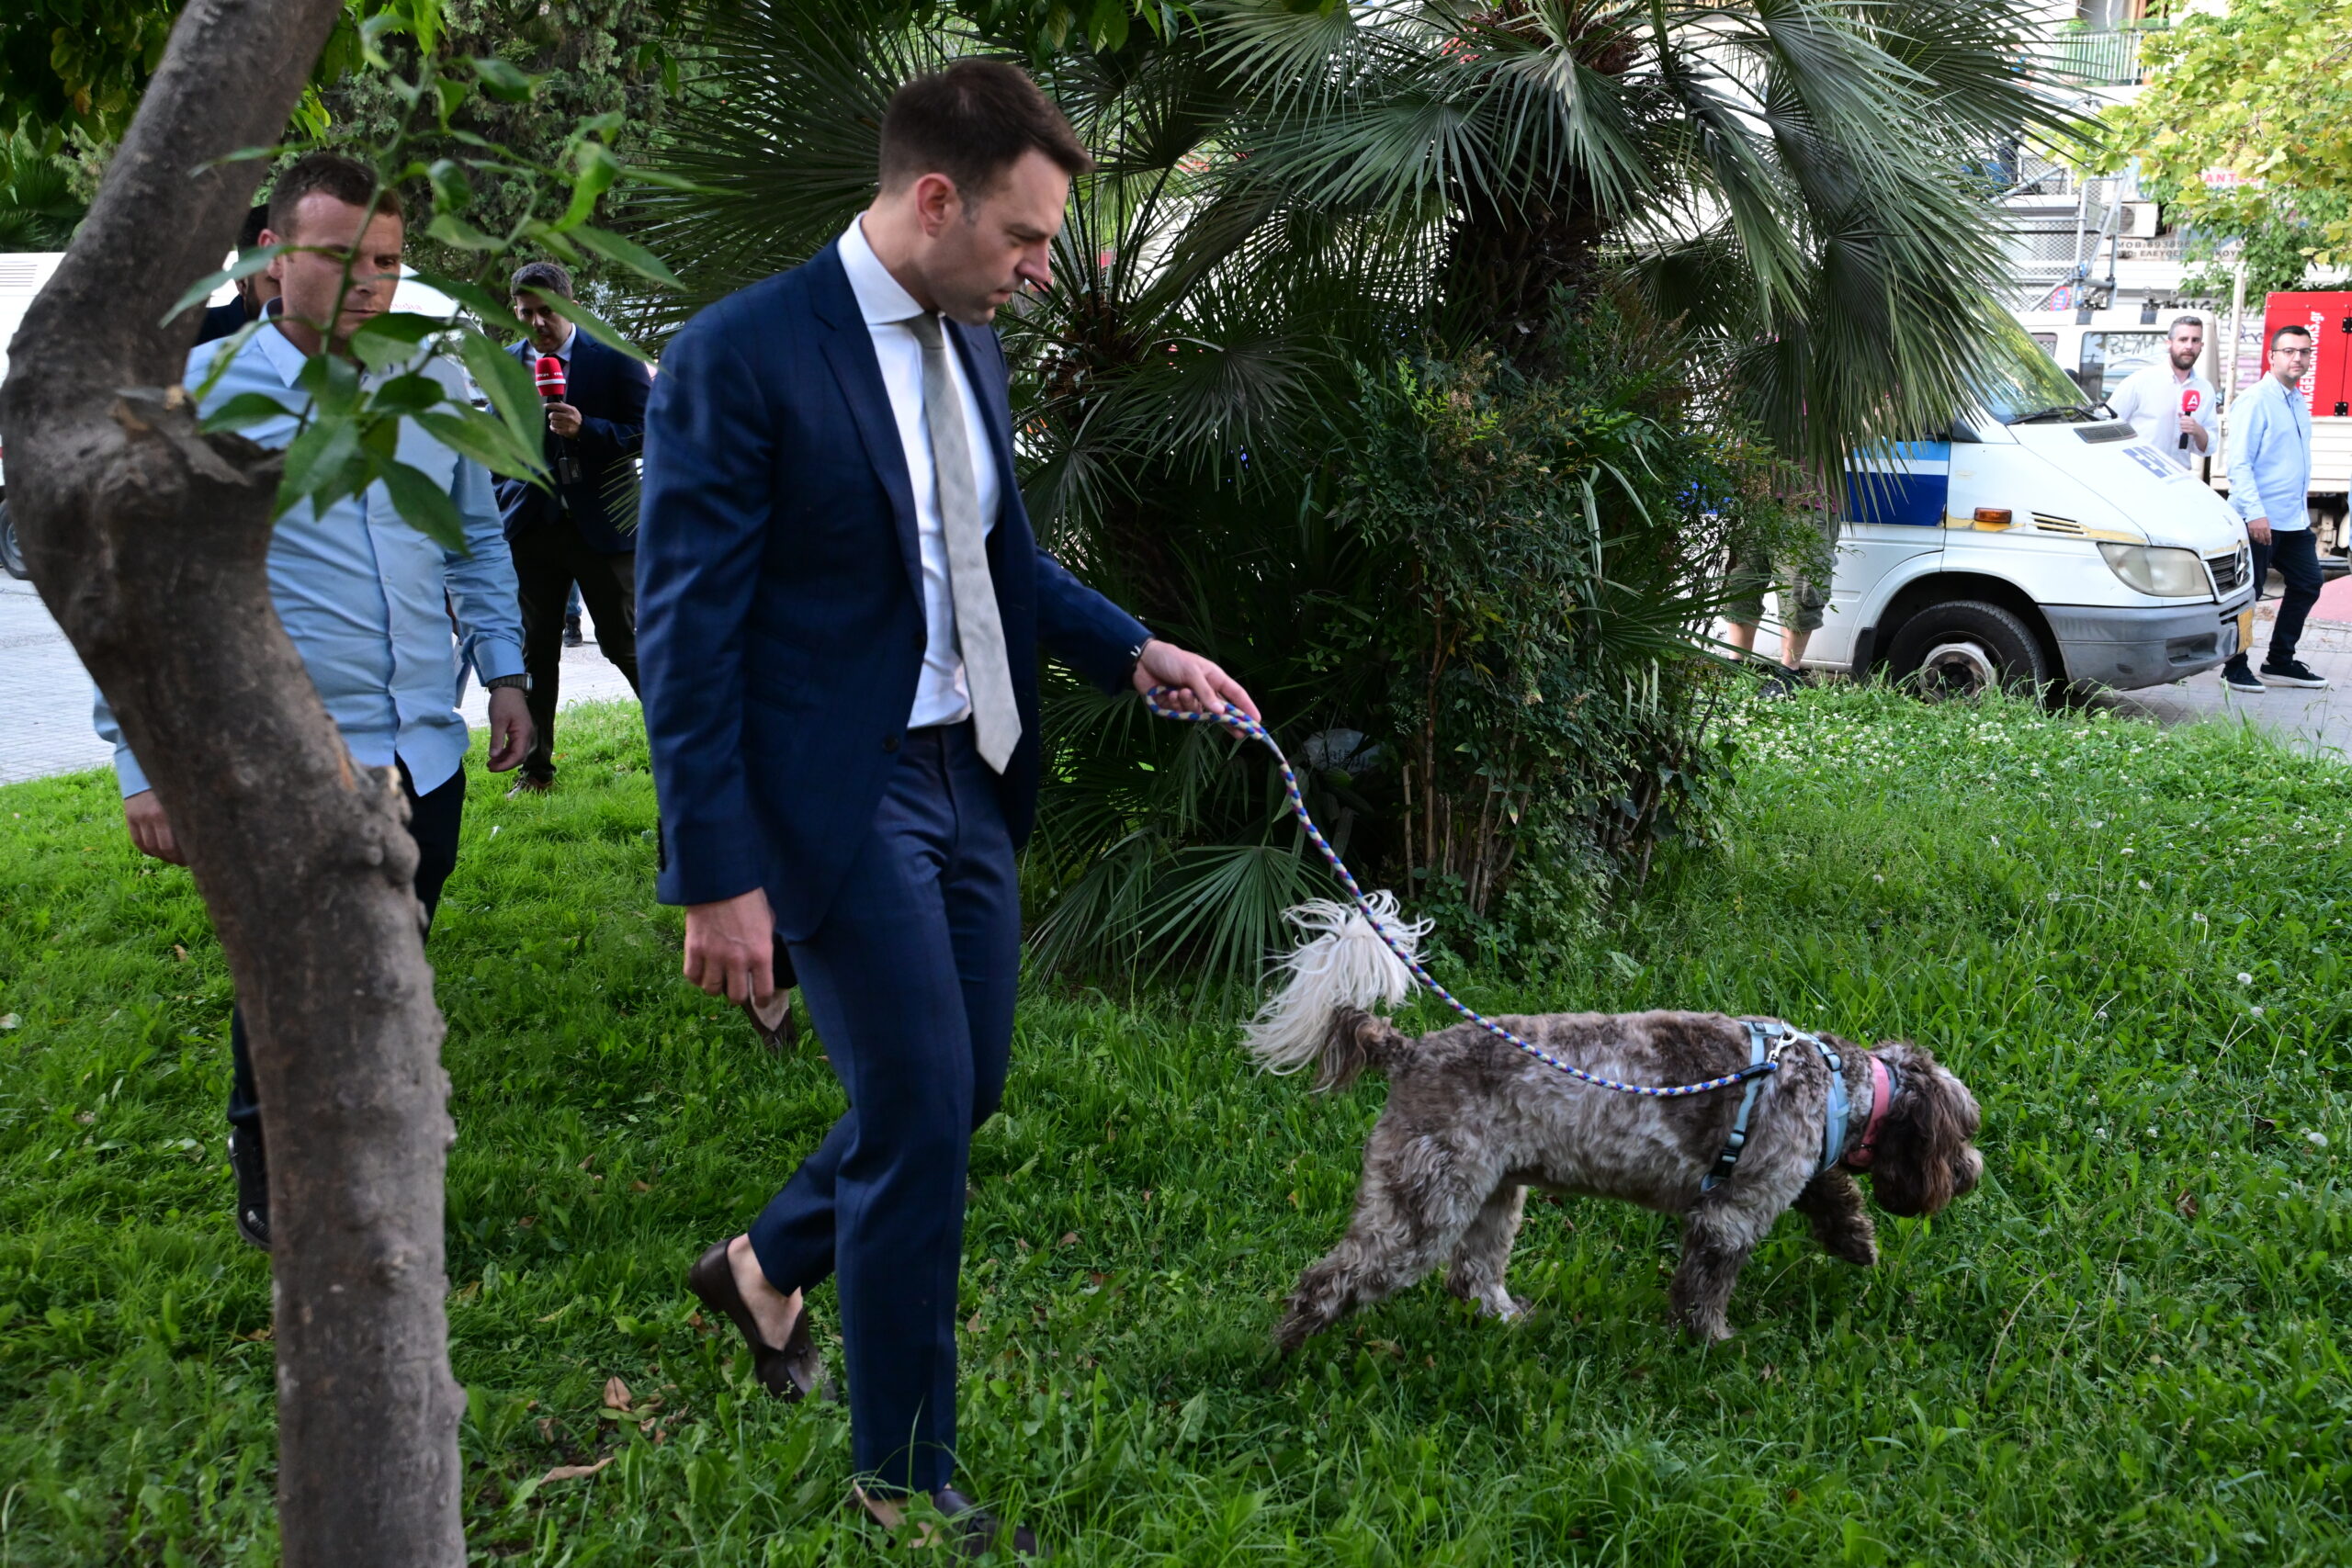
x=1318, y=1013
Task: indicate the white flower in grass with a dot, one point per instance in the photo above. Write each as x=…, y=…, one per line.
x=2197, y=919
x=2245, y=978
x=2144, y=887
x=2054, y=895
x=2314, y=1137
x=2257, y=1012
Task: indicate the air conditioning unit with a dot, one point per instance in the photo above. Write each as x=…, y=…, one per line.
x=2140, y=219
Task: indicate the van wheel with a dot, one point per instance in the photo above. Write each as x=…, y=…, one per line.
x=1964, y=648
x=12, y=555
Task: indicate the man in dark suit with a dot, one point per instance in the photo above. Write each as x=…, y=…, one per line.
x=578, y=530
x=253, y=292
x=842, y=605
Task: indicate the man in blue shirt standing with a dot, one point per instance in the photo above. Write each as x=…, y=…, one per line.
x=2270, y=474
x=366, y=598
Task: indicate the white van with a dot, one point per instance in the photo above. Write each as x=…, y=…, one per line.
x=2037, y=542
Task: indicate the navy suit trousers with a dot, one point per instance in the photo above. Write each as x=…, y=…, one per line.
x=910, y=980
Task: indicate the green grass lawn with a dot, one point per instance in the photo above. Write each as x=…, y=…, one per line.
x=2128, y=1347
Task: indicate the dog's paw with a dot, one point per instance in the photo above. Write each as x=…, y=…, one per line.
x=1707, y=1331
x=1503, y=1307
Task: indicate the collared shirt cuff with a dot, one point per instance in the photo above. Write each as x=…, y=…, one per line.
x=129, y=774
x=496, y=656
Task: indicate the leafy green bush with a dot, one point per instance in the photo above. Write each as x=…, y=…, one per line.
x=1479, y=640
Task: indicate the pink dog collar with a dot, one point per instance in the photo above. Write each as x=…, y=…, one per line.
x=1882, y=1095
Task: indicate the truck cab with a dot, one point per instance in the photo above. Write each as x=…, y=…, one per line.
x=2034, y=541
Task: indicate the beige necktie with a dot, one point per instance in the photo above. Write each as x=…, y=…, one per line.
x=979, y=634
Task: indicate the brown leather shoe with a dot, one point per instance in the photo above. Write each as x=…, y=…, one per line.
x=791, y=1373
x=971, y=1530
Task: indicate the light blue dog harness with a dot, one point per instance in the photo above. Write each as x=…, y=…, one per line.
x=1766, y=1037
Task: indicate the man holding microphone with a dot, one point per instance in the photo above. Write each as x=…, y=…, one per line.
x=2168, y=401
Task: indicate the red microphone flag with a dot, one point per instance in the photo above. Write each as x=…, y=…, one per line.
x=550, y=375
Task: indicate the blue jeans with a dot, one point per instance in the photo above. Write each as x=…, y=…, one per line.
x=2295, y=552
x=911, y=982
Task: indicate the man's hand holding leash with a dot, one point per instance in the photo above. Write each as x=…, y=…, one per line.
x=729, y=946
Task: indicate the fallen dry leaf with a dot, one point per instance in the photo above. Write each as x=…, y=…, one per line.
x=641, y=1186
x=1070, y=1239
x=2187, y=1204
x=585, y=1163
x=9, y=1021
x=179, y=952
x=573, y=1471
x=615, y=1394
x=973, y=1327
x=527, y=1221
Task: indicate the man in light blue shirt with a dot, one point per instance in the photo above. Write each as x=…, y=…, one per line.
x=2270, y=474
x=366, y=598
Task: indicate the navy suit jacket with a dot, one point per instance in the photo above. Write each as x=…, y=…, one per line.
x=609, y=388
x=779, y=602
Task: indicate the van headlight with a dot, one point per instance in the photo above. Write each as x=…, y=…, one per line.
x=2167, y=574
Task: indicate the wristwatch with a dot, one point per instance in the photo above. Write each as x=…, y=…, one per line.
x=500, y=682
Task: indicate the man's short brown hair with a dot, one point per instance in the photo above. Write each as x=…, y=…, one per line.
x=972, y=122
x=327, y=173
x=541, y=278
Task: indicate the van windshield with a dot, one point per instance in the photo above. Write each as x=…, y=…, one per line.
x=2035, y=392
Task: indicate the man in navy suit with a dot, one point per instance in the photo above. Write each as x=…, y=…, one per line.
x=841, y=609
x=578, y=530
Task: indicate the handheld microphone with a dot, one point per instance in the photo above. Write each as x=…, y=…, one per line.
x=2191, y=400
x=548, y=374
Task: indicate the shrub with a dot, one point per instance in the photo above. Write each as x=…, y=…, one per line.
x=1479, y=637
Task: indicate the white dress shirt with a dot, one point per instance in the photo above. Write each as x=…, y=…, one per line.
x=941, y=697
x=2150, y=399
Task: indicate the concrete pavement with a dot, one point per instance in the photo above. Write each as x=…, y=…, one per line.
x=45, y=695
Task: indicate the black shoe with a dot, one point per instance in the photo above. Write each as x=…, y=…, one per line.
x=250, y=1160
x=972, y=1530
x=793, y=1372
x=1784, y=682
x=2240, y=679
x=572, y=637
x=2293, y=672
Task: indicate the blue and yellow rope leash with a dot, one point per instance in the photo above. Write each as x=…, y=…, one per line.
x=1249, y=729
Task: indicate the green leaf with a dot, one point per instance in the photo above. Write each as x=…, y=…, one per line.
x=252, y=262
x=598, y=169
x=487, y=306
x=602, y=331
x=245, y=411
x=452, y=229
x=503, y=79
x=391, y=338
x=333, y=382
x=423, y=505
x=484, y=438
x=410, y=394
x=452, y=187
x=316, y=454
x=508, y=385
x=628, y=253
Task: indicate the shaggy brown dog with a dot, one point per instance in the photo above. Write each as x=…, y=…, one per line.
x=1472, y=1122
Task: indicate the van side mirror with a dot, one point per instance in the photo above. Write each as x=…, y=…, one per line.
x=1962, y=431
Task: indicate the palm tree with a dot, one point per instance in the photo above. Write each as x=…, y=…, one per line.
x=1286, y=192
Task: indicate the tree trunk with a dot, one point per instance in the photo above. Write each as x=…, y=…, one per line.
x=148, y=541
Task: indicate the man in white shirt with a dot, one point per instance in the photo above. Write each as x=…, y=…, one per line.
x=2169, y=402
x=842, y=606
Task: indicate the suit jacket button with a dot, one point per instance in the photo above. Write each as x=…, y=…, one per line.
x=890, y=743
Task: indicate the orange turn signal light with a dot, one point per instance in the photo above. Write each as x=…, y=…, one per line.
x=1993, y=516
